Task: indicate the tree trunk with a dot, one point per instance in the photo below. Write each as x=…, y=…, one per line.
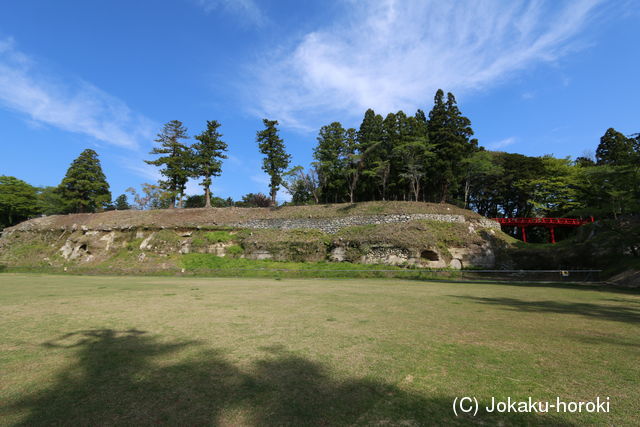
x=445, y=191
x=207, y=197
x=467, y=185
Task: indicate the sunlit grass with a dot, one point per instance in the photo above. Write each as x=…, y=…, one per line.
x=148, y=350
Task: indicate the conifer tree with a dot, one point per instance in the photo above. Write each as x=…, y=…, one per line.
x=208, y=153
x=615, y=149
x=84, y=187
x=276, y=159
x=330, y=162
x=176, y=158
x=450, y=133
x=412, y=153
x=370, y=148
x=121, y=203
x=353, y=162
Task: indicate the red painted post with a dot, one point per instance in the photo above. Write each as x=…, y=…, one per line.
x=524, y=234
x=553, y=234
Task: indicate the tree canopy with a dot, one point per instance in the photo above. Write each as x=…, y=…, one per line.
x=175, y=158
x=84, y=187
x=276, y=160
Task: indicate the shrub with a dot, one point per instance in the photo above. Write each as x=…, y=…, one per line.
x=167, y=236
x=234, y=251
x=218, y=236
x=134, y=244
x=2, y=268
x=198, y=242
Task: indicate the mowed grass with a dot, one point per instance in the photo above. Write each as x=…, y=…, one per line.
x=196, y=351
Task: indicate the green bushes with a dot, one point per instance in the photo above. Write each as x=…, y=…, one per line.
x=2, y=268
x=218, y=236
x=134, y=244
x=234, y=251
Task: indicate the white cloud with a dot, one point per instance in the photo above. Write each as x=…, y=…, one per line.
x=245, y=9
x=528, y=95
x=76, y=107
x=502, y=143
x=394, y=55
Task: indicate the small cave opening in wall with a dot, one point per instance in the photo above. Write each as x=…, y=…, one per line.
x=429, y=255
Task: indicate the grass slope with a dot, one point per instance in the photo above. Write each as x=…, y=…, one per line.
x=137, y=351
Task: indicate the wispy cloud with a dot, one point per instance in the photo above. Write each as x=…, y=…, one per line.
x=502, y=143
x=394, y=55
x=528, y=95
x=247, y=10
x=71, y=105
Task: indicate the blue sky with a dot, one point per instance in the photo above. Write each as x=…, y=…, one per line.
x=533, y=77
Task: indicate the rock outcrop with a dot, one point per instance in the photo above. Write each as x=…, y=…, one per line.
x=431, y=239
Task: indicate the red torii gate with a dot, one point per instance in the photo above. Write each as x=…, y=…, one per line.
x=550, y=223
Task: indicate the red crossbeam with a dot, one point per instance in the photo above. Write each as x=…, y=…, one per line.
x=519, y=222
x=550, y=223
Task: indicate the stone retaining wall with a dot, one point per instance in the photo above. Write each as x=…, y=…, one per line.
x=333, y=225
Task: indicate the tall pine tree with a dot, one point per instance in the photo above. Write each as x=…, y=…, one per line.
x=176, y=158
x=208, y=153
x=84, y=187
x=330, y=162
x=276, y=160
x=371, y=153
x=450, y=133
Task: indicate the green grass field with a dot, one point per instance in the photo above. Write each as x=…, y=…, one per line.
x=80, y=350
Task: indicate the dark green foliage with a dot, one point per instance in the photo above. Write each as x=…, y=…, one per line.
x=176, y=159
x=51, y=202
x=18, y=201
x=450, y=133
x=412, y=154
x=84, y=187
x=330, y=162
x=615, y=149
x=372, y=155
x=252, y=200
x=276, y=159
x=208, y=153
x=303, y=186
x=121, y=203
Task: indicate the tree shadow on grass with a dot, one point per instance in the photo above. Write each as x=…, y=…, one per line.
x=520, y=282
x=604, y=312
x=115, y=379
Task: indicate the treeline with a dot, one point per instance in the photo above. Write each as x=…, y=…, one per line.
x=435, y=159
x=431, y=158
x=398, y=157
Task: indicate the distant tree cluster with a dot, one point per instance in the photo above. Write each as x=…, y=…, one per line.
x=84, y=188
x=397, y=157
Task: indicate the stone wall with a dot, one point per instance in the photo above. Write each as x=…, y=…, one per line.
x=333, y=225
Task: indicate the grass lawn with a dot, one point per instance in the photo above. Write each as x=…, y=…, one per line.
x=197, y=351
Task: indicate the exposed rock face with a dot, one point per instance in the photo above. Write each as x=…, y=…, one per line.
x=312, y=239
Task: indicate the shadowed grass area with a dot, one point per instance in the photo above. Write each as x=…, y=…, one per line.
x=138, y=351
